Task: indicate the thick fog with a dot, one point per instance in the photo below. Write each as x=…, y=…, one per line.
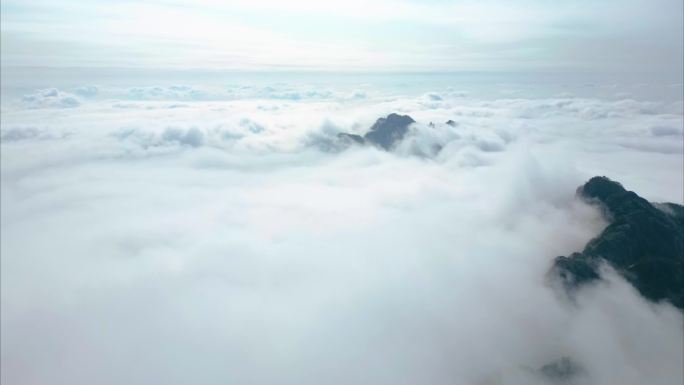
x=210, y=234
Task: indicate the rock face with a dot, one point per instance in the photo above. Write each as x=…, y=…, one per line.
x=385, y=133
x=388, y=131
x=644, y=242
x=350, y=138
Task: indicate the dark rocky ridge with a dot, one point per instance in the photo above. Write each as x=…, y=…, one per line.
x=384, y=133
x=644, y=242
x=350, y=138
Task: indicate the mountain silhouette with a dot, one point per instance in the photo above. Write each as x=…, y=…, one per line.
x=384, y=133
x=644, y=243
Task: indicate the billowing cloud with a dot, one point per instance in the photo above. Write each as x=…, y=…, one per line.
x=225, y=242
x=173, y=92
x=87, y=91
x=50, y=98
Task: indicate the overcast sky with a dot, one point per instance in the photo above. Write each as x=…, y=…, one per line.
x=577, y=35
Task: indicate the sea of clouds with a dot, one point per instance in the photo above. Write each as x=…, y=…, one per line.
x=212, y=234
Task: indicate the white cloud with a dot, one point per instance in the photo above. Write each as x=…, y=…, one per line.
x=87, y=91
x=13, y=134
x=215, y=243
x=51, y=98
x=176, y=92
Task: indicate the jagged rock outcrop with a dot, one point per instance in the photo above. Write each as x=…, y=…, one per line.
x=644, y=242
x=388, y=131
x=385, y=133
x=350, y=138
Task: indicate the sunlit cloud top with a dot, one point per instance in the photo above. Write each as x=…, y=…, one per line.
x=606, y=35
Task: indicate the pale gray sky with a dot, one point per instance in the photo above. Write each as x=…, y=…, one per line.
x=578, y=35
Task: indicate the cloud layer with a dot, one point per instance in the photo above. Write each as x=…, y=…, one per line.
x=50, y=98
x=164, y=237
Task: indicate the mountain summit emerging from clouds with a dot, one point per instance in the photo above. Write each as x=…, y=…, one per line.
x=384, y=133
x=644, y=242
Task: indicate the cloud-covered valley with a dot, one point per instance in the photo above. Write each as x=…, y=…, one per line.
x=182, y=234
